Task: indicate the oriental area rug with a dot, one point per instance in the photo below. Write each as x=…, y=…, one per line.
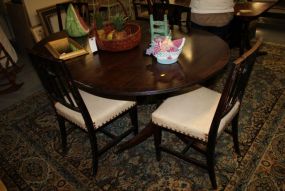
x=31, y=157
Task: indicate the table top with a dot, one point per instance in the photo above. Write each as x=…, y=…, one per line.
x=185, y=3
x=132, y=73
x=252, y=9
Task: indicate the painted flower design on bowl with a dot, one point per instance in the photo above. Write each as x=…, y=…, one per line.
x=166, y=50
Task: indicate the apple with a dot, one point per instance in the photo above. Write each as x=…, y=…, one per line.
x=110, y=35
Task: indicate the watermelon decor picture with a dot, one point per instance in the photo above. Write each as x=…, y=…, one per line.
x=74, y=24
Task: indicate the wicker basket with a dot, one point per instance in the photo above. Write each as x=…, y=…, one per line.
x=132, y=40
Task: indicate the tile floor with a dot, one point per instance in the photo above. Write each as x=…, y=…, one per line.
x=270, y=30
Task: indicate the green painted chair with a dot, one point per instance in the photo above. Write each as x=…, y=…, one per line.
x=159, y=28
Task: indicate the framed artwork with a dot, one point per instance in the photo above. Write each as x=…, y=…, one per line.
x=48, y=18
x=65, y=48
x=31, y=7
x=38, y=33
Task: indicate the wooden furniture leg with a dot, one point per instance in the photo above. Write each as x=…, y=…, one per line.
x=8, y=71
x=139, y=138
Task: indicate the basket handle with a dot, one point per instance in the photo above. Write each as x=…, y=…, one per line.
x=124, y=8
x=126, y=15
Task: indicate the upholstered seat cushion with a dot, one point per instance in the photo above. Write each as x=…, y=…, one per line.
x=101, y=110
x=192, y=113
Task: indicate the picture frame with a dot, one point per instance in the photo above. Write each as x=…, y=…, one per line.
x=65, y=48
x=38, y=33
x=49, y=20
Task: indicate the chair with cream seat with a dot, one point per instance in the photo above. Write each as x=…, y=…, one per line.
x=200, y=116
x=89, y=112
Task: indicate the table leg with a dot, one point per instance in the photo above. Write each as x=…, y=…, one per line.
x=244, y=42
x=139, y=138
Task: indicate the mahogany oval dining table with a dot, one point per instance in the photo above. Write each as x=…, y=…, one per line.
x=132, y=73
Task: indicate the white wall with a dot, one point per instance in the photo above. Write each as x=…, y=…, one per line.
x=33, y=5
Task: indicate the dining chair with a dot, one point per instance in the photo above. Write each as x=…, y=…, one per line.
x=81, y=7
x=8, y=72
x=199, y=117
x=88, y=112
x=159, y=8
x=176, y=14
x=158, y=27
x=141, y=9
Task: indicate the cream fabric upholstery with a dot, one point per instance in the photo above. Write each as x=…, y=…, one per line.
x=192, y=113
x=101, y=110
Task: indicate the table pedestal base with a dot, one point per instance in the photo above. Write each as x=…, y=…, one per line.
x=139, y=138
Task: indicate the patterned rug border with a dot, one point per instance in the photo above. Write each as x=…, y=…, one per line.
x=270, y=178
x=21, y=110
x=247, y=167
x=273, y=44
x=20, y=102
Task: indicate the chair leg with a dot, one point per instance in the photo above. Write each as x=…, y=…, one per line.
x=134, y=119
x=10, y=77
x=157, y=141
x=94, y=150
x=211, y=169
x=61, y=123
x=10, y=88
x=235, y=133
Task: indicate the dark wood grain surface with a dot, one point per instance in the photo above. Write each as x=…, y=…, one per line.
x=252, y=9
x=132, y=73
x=185, y=3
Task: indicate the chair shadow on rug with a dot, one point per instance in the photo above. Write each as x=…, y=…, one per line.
x=89, y=112
x=212, y=112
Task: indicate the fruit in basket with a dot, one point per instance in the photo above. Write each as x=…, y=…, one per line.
x=119, y=25
x=101, y=34
x=130, y=41
x=100, y=26
x=110, y=35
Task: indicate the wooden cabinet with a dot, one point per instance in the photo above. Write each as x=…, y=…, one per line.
x=20, y=25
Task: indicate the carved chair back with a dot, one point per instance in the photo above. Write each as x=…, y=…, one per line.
x=60, y=86
x=234, y=89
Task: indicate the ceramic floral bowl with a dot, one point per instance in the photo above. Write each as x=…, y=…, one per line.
x=168, y=57
x=166, y=50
